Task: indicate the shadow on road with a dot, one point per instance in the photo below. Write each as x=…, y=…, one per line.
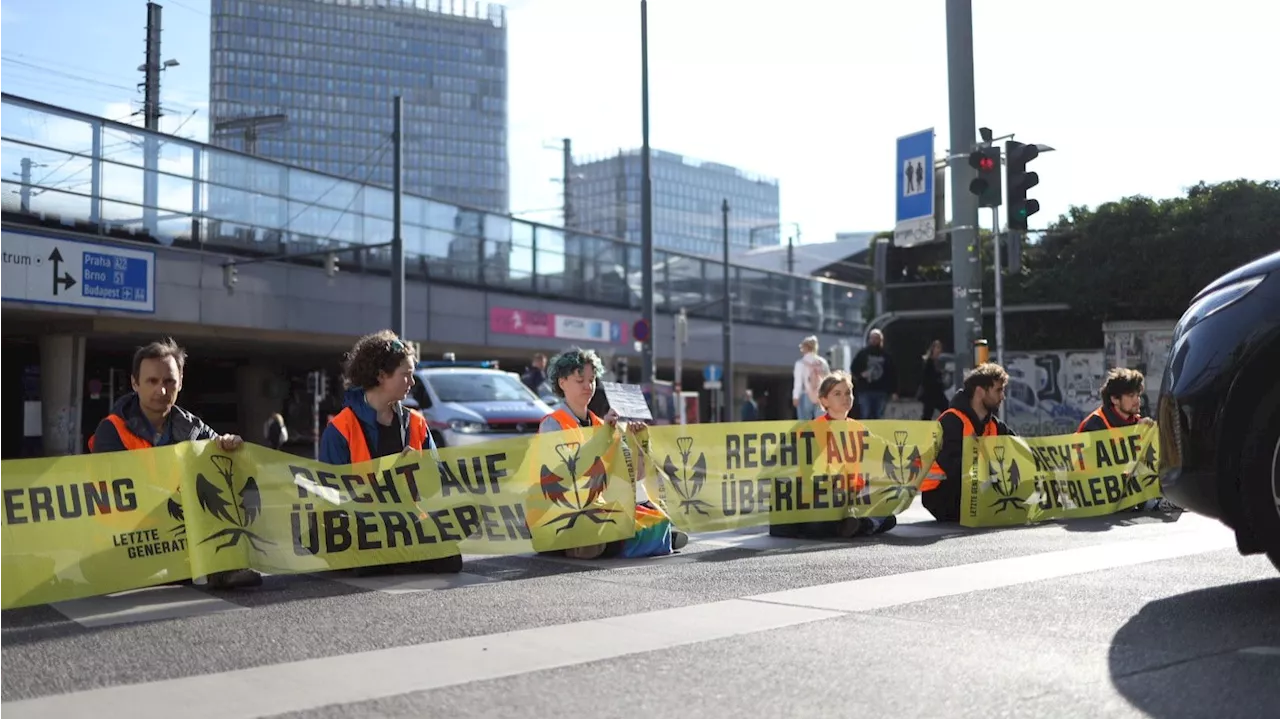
x=1213, y=652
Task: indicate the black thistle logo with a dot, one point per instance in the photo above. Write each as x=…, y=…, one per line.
x=175, y=510
x=246, y=510
x=902, y=468
x=1006, y=483
x=688, y=480
x=1145, y=469
x=554, y=488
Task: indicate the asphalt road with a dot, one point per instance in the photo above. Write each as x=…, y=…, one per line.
x=1118, y=617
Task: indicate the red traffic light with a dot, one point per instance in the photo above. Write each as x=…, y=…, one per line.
x=985, y=160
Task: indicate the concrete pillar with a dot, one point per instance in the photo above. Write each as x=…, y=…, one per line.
x=61, y=394
x=260, y=392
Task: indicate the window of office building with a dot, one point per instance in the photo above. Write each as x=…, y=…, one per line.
x=333, y=70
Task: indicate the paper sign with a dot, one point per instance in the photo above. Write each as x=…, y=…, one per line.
x=627, y=400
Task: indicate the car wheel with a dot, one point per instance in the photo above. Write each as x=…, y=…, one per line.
x=439, y=439
x=1260, y=476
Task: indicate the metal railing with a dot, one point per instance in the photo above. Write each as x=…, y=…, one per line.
x=69, y=170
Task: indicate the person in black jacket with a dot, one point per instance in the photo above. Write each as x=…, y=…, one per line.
x=933, y=394
x=876, y=377
x=972, y=412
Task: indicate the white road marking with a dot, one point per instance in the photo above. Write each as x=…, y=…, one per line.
x=365, y=676
x=1262, y=651
x=299, y=686
x=861, y=595
x=143, y=605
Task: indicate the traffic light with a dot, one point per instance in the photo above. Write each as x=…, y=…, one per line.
x=986, y=160
x=331, y=264
x=230, y=276
x=1020, y=208
x=620, y=370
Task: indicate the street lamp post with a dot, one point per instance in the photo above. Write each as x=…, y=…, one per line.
x=646, y=205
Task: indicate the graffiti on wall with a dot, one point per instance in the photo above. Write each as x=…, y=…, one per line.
x=1143, y=346
x=1051, y=392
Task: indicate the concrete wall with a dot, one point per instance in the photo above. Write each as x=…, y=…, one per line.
x=302, y=301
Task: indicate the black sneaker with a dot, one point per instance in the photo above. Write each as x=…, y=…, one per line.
x=850, y=527
x=678, y=540
x=884, y=524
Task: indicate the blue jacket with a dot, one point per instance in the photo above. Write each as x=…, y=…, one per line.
x=333, y=446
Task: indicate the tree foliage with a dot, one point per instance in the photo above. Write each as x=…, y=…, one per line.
x=1133, y=259
x=1141, y=259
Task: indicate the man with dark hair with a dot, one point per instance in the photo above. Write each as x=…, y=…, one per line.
x=1121, y=402
x=1121, y=406
x=150, y=417
x=972, y=413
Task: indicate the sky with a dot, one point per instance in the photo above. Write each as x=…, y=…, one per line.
x=1138, y=97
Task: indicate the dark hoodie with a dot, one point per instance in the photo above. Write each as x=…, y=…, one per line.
x=333, y=446
x=179, y=426
x=944, y=502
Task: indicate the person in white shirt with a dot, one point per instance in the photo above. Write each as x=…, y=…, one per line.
x=810, y=369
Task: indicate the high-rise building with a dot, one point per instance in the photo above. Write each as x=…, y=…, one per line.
x=331, y=68
x=604, y=197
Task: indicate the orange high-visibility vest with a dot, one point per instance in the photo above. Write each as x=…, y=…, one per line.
x=348, y=425
x=567, y=421
x=130, y=440
x=936, y=475
x=1096, y=413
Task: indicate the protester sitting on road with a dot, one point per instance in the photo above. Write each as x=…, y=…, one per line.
x=972, y=412
x=378, y=374
x=1121, y=393
x=150, y=417
x=572, y=375
x=835, y=396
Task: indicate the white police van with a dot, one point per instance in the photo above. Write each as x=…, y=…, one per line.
x=469, y=402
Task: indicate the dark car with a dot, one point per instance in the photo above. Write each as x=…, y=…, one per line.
x=1219, y=410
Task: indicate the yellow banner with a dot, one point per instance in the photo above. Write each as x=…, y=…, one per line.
x=726, y=476
x=87, y=525
x=1024, y=480
x=84, y=525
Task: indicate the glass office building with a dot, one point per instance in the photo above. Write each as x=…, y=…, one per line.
x=604, y=197
x=311, y=83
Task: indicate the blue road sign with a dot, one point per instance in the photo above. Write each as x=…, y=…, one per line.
x=712, y=373
x=914, y=222
x=53, y=270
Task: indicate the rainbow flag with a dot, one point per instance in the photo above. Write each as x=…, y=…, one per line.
x=653, y=534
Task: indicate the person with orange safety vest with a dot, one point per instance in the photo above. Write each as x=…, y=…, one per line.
x=378, y=375
x=1121, y=406
x=572, y=375
x=150, y=417
x=835, y=397
x=972, y=412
